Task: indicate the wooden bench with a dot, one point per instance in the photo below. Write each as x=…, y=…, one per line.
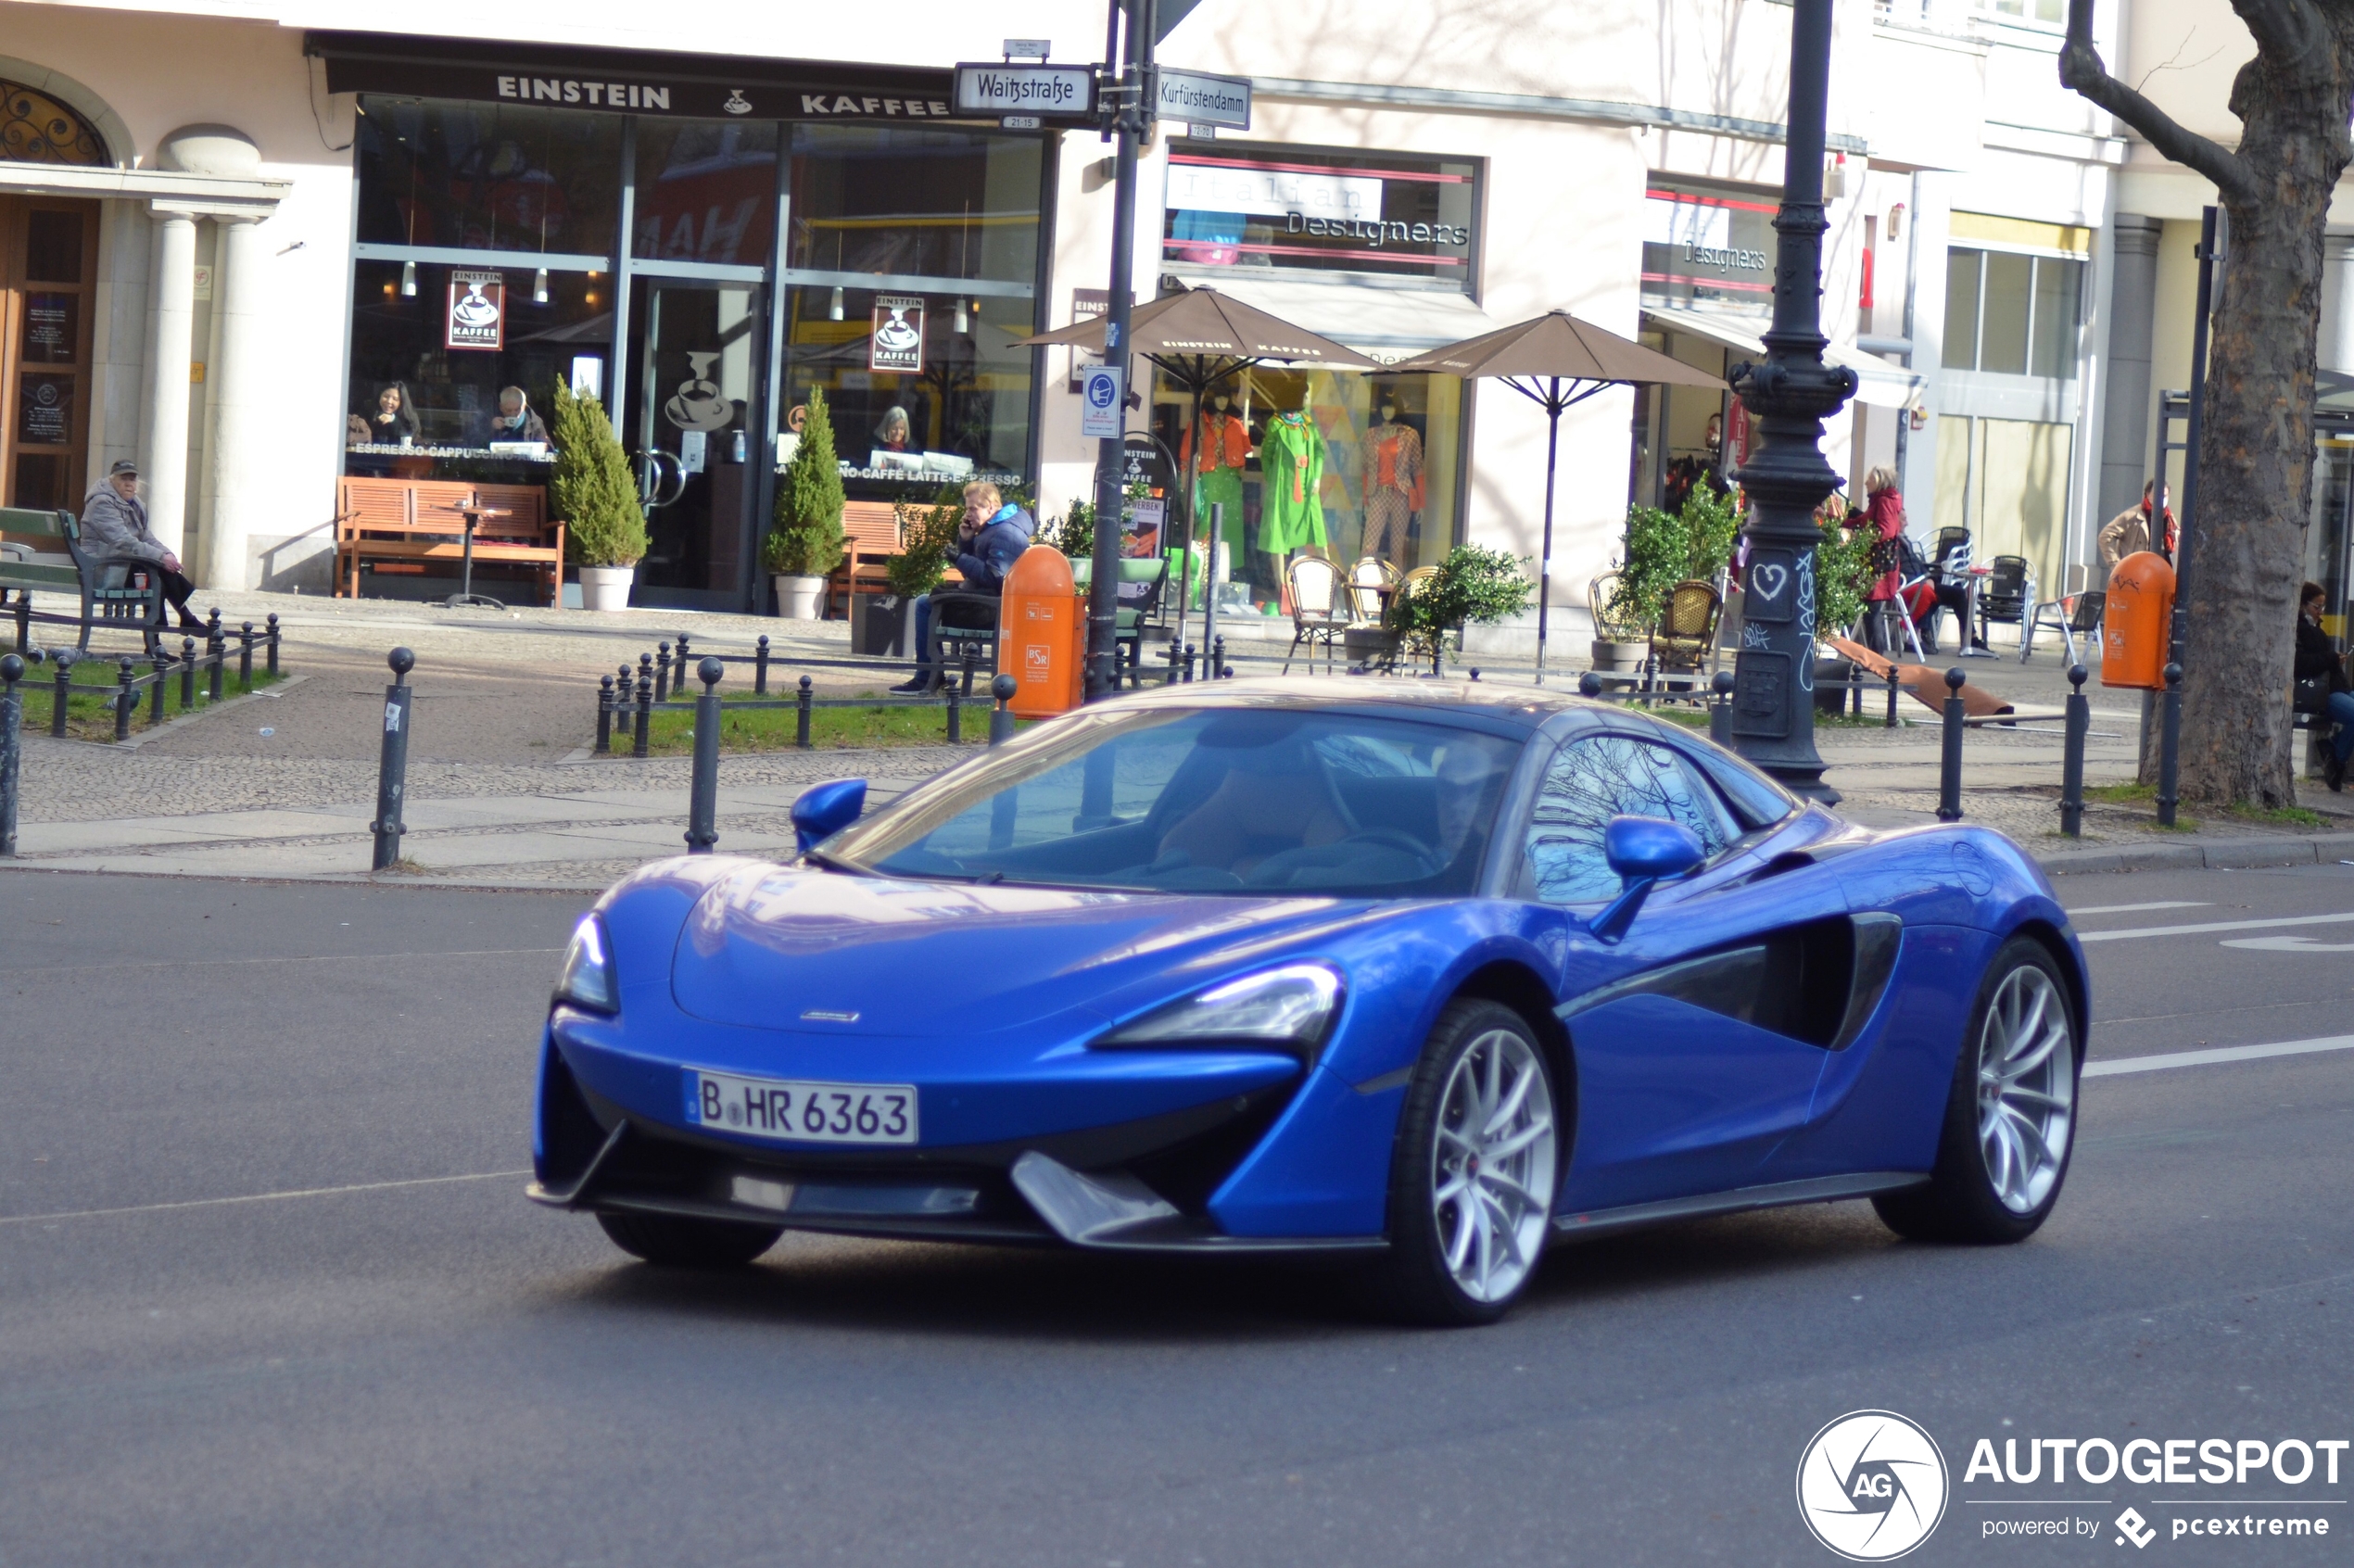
x=114, y=590
x=406, y=525
x=869, y=539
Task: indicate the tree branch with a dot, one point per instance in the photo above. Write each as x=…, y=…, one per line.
x=2081, y=70
x=2288, y=33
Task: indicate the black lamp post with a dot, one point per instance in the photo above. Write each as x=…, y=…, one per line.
x=1788, y=398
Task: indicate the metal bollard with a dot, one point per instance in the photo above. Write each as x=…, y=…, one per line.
x=1590, y=685
x=1189, y=664
x=187, y=674
x=1475, y=671
x=1001, y=718
x=2170, y=747
x=213, y=630
x=1893, y=690
x=244, y=656
x=678, y=662
x=645, y=713
x=11, y=749
x=24, y=622
x=392, y=771
x=702, y=796
x=2080, y=720
x=1720, y=708
x=1949, y=768
x=156, y=664
x=62, y=690
x=662, y=673
x=970, y=668
x=956, y=710
x=1218, y=670
x=604, y=715
x=216, y=652
x=800, y=715
x=272, y=624
x=126, y=698
x=760, y=666
x=1172, y=656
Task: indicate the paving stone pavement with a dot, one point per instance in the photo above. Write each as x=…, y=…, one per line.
x=500, y=793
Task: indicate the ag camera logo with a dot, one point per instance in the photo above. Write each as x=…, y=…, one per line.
x=1872, y=1486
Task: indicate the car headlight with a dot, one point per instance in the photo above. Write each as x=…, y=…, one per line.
x=1291, y=1006
x=588, y=979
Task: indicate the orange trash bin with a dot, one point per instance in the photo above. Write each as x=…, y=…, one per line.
x=2136, y=621
x=1038, y=632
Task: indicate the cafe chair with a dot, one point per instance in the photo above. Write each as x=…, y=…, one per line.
x=2008, y=595
x=2075, y=614
x=1687, y=627
x=1319, y=610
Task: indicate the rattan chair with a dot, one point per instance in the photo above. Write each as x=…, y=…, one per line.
x=1318, y=607
x=1687, y=627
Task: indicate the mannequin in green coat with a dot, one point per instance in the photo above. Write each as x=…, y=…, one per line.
x=1291, y=464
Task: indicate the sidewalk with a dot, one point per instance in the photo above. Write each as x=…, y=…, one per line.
x=501, y=792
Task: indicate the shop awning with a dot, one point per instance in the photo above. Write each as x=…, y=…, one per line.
x=1389, y=324
x=1880, y=383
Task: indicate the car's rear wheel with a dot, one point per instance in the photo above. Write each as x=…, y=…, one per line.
x=1477, y=1165
x=682, y=1241
x=2010, y=1120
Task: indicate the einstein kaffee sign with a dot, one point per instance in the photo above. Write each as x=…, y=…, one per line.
x=629, y=80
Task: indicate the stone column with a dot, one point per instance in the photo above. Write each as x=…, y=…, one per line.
x=2126, y=406
x=241, y=482
x=171, y=293
x=2337, y=346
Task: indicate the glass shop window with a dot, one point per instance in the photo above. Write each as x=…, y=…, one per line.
x=902, y=202
x=2010, y=313
x=487, y=177
x=1305, y=210
x=706, y=191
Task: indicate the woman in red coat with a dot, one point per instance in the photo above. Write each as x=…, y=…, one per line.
x=1884, y=514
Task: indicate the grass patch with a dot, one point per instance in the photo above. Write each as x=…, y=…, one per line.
x=89, y=712
x=775, y=730
x=2146, y=794
x=2121, y=794
x=2277, y=817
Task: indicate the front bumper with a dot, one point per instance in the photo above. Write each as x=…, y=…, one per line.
x=1144, y=1182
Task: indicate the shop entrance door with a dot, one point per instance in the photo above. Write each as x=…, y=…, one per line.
x=688, y=425
x=48, y=269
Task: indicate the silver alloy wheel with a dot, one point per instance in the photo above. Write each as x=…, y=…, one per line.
x=2026, y=1088
x=1491, y=1181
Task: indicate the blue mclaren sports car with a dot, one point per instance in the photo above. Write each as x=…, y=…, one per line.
x=1438, y=974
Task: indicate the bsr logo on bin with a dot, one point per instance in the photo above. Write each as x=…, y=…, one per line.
x=1037, y=660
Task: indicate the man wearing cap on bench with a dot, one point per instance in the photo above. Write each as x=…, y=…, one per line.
x=115, y=523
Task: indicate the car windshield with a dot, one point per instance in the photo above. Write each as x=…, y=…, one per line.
x=1210, y=801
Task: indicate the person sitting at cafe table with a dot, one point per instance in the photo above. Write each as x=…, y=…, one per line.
x=891, y=433
x=516, y=420
x=114, y=523
x=393, y=421
x=989, y=541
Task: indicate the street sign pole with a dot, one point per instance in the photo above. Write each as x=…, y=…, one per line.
x=1127, y=120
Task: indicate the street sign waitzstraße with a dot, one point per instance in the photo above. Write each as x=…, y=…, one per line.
x=1053, y=92
x=1201, y=98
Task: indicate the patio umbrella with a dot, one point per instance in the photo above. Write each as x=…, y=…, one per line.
x=1201, y=337
x=1557, y=361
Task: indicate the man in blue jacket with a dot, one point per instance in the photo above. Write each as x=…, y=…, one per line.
x=989, y=541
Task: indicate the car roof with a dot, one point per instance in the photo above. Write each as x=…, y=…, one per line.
x=1527, y=705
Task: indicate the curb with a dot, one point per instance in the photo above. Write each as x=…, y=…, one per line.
x=2222, y=855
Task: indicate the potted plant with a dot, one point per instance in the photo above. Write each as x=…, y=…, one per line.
x=1473, y=586
x=590, y=490
x=805, y=542
x=1663, y=549
x=926, y=539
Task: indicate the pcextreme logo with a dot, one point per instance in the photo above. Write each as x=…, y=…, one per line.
x=1872, y=1486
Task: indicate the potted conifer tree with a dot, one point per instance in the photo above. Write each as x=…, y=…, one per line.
x=805, y=541
x=590, y=491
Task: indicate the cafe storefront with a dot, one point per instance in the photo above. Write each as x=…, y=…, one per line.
x=699, y=251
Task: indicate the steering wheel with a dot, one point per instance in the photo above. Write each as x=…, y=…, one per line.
x=1397, y=838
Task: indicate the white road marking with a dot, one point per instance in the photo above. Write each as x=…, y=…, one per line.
x=2137, y=908
x=2219, y=1054
x=2216, y=926
x=269, y=1197
x=2287, y=944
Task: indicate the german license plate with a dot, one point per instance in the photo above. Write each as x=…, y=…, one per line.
x=792, y=1110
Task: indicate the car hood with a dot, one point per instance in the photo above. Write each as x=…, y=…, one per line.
x=783, y=947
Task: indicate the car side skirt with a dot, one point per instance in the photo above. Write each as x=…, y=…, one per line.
x=1773, y=1195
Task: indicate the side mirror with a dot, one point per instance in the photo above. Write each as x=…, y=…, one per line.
x=1644, y=850
x=824, y=810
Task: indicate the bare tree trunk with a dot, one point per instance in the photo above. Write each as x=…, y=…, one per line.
x=2256, y=453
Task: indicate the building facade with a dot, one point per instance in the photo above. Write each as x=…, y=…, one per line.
x=302, y=255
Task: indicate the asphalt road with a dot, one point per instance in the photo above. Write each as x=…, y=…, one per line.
x=269, y=1293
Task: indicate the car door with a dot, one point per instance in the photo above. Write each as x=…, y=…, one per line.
x=1693, y=1035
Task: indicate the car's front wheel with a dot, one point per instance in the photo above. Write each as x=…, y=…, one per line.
x=683, y=1242
x=2010, y=1119
x=1476, y=1165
